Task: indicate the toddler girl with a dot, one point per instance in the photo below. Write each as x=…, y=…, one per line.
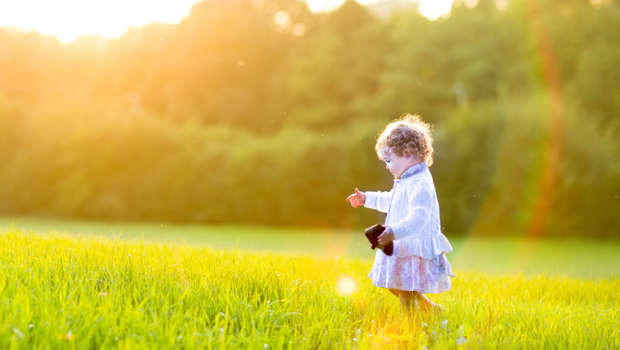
x=418, y=264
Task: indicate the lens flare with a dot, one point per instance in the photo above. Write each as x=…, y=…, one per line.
x=346, y=286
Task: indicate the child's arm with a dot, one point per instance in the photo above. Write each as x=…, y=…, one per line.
x=378, y=200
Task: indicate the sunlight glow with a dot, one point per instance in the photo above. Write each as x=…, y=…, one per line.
x=346, y=286
x=323, y=5
x=433, y=9
x=69, y=19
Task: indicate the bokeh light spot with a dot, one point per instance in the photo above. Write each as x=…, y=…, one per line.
x=299, y=29
x=282, y=19
x=346, y=286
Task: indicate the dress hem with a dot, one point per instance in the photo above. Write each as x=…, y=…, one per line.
x=419, y=290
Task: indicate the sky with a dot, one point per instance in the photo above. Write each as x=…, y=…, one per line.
x=69, y=19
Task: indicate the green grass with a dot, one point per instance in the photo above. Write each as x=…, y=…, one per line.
x=492, y=255
x=61, y=291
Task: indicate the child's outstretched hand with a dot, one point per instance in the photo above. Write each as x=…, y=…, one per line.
x=357, y=199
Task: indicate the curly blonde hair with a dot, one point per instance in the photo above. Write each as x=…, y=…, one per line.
x=407, y=135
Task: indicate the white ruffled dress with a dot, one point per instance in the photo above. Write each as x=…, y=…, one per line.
x=418, y=262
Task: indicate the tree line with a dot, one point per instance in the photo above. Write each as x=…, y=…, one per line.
x=264, y=112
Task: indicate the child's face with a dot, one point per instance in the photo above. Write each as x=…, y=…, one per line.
x=396, y=164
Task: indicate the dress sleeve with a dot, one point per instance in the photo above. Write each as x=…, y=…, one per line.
x=378, y=200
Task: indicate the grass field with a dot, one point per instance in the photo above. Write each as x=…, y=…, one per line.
x=98, y=291
x=492, y=255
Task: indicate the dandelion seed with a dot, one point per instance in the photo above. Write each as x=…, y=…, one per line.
x=461, y=340
x=444, y=324
x=18, y=332
x=266, y=346
x=30, y=326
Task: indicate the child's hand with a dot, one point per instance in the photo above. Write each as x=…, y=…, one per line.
x=357, y=199
x=386, y=237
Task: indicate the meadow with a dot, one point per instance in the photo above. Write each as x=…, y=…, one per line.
x=266, y=114
x=103, y=288
x=501, y=255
